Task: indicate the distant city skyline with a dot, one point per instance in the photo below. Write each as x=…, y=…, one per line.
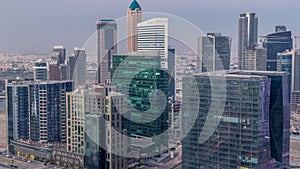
x=35, y=26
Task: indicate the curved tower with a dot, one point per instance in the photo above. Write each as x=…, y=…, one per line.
x=134, y=16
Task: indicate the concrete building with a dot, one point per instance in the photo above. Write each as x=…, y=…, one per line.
x=152, y=36
x=40, y=71
x=256, y=59
x=106, y=143
x=134, y=16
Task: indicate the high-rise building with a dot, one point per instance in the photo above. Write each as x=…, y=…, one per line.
x=17, y=101
x=40, y=71
x=295, y=84
x=134, y=16
x=253, y=128
x=247, y=35
x=60, y=52
x=240, y=140
x=153, y=35
x=79, y=69
x=138, y=75
x=48, y=111
x=75, y=117
x=214, y=52
x=284, y=64
x=106, y=47
x=277, y=42
x=172, y=71
x=279, y=115
x=256, y=59
x=63, y=70
x=106, y=143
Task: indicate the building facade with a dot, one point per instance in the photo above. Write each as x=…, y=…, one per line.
x=134, y=16
x=106, y=47
x=152, y=35
x=277, y=42
x=138, y=75
x=256, y=59
x=40, y=71
x=17, y=101
x=214, y=52
x=247, y=35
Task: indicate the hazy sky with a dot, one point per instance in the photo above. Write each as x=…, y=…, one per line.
x=36, y=25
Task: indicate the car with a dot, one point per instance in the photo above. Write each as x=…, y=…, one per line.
x=28, y=161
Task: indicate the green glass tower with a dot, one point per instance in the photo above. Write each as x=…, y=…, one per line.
x=138, y=75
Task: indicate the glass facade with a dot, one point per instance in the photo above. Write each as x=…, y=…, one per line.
x=140, y=77
x=241, y=138
x=17, y=113
x=275, y=43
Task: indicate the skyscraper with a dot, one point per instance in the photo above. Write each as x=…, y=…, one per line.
x=247, y=35
x=48, y=111
x=214, y=52
x=153, y=35
x=138, y=75
x=134, y=16
x=284, y=64
x=60, y=52
x=172, y=71
x=79, y=71
x=40, y=70
x=17, y=101
x=256, y=59
x=254, y=125
x=106, y=47
x=75, y=116
x=105, y=136
x=277, y=42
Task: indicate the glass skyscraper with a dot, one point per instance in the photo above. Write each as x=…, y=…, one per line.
x=138, y=75
x=253, y=128
x=277, y=42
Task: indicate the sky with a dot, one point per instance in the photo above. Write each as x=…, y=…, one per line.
x=36, y=25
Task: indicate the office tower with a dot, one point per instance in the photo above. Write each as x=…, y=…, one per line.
x=134, y=16
x=241, y=138
x=296, y=70
x=172, y=71
x=280, y=28
x=63, y=70
x=295, y=88
x=17, y=101
x=214, y=52
x=284, y=64
x=153, y=35
x=54, y=71
x=60, y=52
x=75, y=121
x=106, y=143
x=256, y=59
x=78, y=69
x=138, y=75
x=106, y=47
x=175, y=121
x=279, y=115
x=277, y=42
x=247, y=35
x=254, y=126
x=48, y=111
x=71, y=67
x=40, y=70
